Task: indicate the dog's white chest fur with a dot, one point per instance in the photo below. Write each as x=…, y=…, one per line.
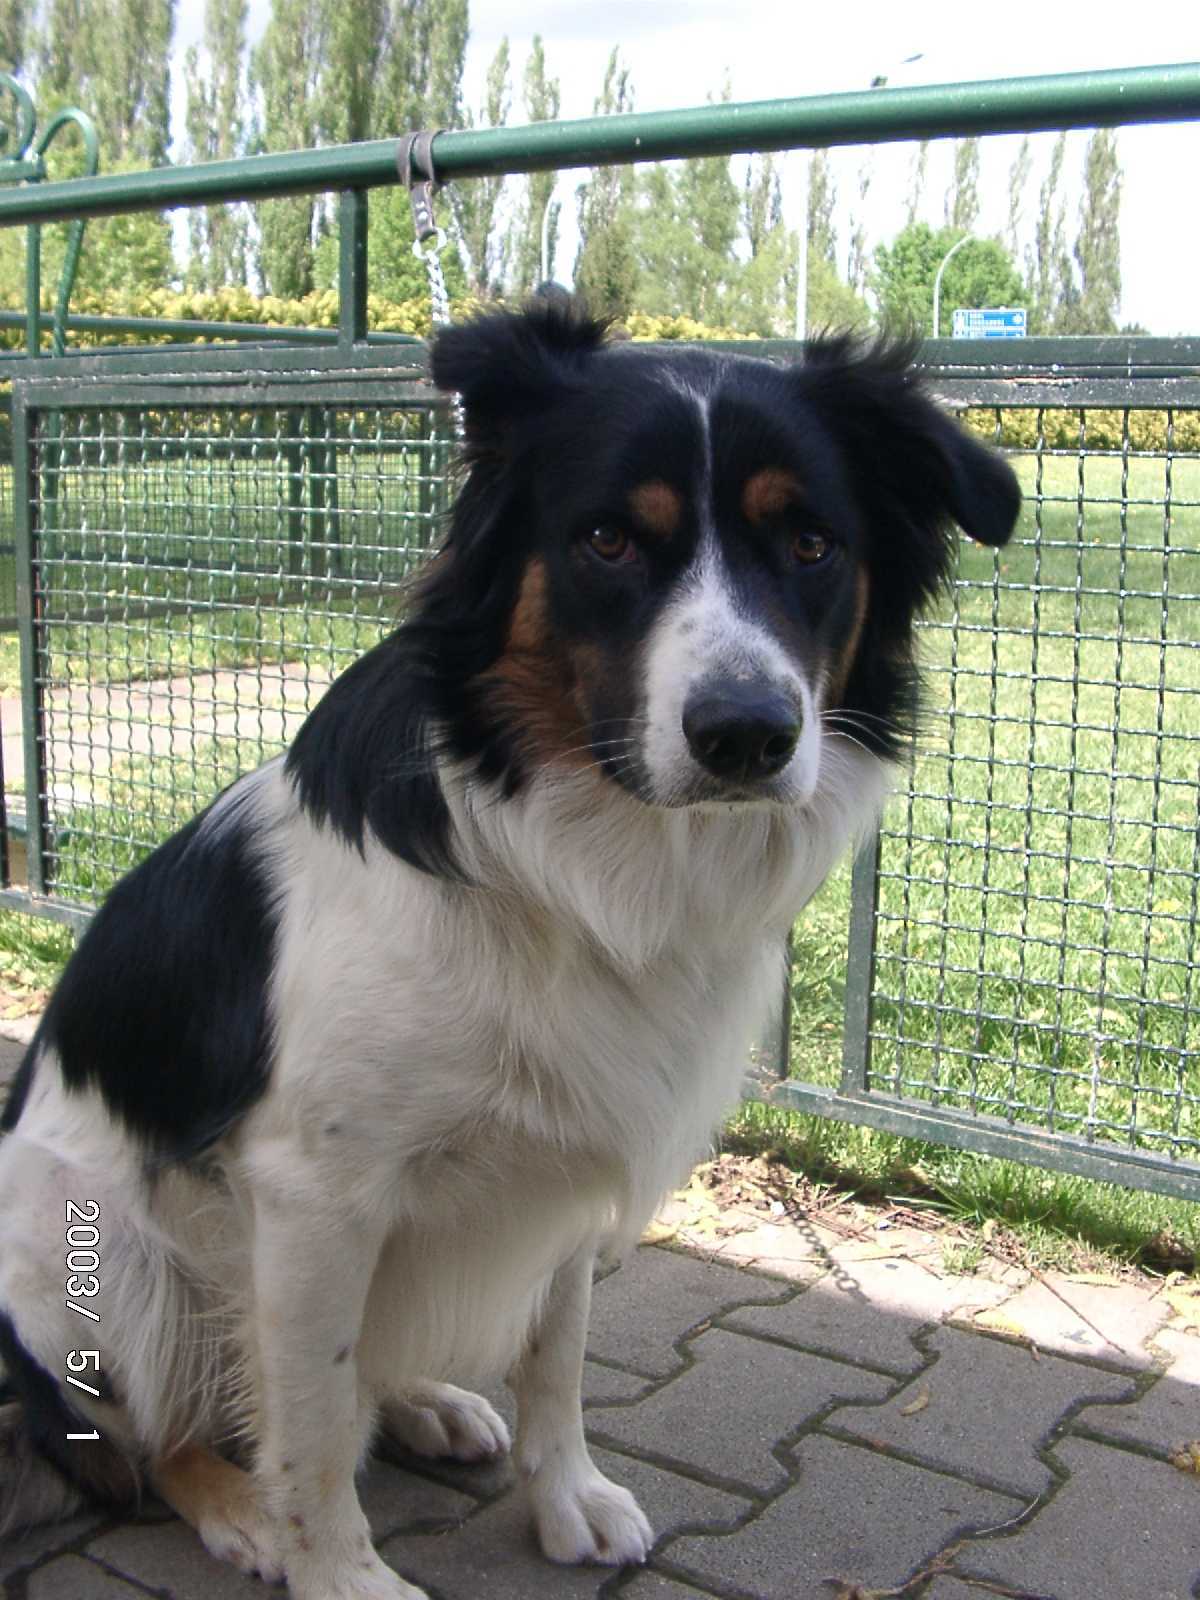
x=508, y=1069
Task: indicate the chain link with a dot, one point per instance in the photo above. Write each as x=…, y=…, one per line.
x=430, y=252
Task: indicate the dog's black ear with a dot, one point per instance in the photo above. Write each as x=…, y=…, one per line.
x=913, y=465
x=507, y=365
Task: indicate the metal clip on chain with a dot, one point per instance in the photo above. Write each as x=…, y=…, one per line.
x=414, y=159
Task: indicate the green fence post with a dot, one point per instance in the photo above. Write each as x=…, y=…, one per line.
x=352, y=267
x=33, y=714
x=860, y=968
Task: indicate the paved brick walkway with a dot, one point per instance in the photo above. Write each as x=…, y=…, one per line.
x=814, y=1416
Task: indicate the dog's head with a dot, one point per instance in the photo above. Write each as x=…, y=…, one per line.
x=687, y=569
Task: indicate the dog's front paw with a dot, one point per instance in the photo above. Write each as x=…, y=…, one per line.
x=580, y=1516
x=244, y=1535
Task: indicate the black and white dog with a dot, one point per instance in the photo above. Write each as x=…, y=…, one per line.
x=348, y=1081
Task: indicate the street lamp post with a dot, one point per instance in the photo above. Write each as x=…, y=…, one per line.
x=937, y=282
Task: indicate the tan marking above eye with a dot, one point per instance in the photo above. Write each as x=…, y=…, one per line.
x=765, y=494
x=658, y=508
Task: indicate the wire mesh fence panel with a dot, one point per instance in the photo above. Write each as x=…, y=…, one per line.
x=198, y=577
x=1035, y=940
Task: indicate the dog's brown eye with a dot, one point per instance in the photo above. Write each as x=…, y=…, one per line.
x=810, y=547
x=611, y=544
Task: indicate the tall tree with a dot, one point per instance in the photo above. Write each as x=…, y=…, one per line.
x=538, y=209
x=112, y=58
x=352, y=35
x=475, y=202
x=981, y=274
x=1048, y=274
x=858, y=266
x=605, y=268
x=13, y=35
x=822, y=202
x=962, y=198
x=916, y=182
x=409, y=77
x=285, y=72
x=1018, y=183
x=1098, y=243
x=216, y=129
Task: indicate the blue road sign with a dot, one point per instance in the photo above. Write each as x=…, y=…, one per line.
x=999, y=322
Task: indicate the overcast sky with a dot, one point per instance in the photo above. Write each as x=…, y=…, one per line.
x=680, y=52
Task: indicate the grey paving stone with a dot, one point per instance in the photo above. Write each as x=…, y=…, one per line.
x=393, y=1499
x=1107, y=1322
x=495, y=1553
x=26, y=1548
x=74, y=1578
x=658, y=1297
x=1168, y=1414
x=869, y=1310
x=1121, y=1526
x=169, y=1556
x=649, y=1586
x=991, y=1406
x=723, y=1416
x=607, y=1385
x=853, y=1515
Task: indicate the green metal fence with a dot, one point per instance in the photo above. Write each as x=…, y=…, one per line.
x=1023, y=948
x=204, y=536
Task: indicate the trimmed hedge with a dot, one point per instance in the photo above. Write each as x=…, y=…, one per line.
x=1020, y=429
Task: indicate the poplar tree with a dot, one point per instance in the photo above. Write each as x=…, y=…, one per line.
x=822, y=202
x=216, y=131
x=916, y=183
x=285, y=70
x=605, y=267
x=1018, y=182
x=13, y=15
x=858, y=266
x=542, y=104
x=111, y=59
x=475, y=202
x=1098, y=243
x=962, y=199
x=1048, y=274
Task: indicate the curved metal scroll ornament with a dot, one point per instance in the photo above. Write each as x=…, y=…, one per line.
x=22, y=160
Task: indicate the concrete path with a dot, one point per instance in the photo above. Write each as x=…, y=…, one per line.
x=93, y=726
x=807, y=1411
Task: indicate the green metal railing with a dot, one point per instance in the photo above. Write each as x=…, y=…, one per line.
x=205, y=535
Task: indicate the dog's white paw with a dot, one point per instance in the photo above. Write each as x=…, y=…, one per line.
x=439, y=1420
x=580, y=1516
x=244, y=1536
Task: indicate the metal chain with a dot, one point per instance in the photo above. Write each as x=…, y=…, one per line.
x=414, y=160
x=430, y=252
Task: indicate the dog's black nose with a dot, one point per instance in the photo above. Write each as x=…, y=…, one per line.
x=740, y=731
